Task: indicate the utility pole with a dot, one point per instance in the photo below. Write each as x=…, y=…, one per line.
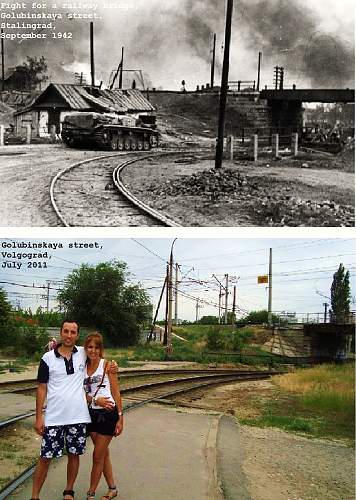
x=92, y=66
x=270, y=289
x=197, y=307
x=176, y=297
x=165, y=337
x=220, y=295
x=2, y=63
x=47, y=297
x=234, y=307
x=122, y=67
x=170, y=301
x=157, y=309
x=325, y=304
x=226, y=296
x=259, y=71
x=212, y=72
x=224, y=87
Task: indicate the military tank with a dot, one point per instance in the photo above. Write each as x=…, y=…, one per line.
x=110, y=131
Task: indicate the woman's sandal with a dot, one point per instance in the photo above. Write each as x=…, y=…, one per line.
x=68, y=493
x=90, y=495
x=112, y=493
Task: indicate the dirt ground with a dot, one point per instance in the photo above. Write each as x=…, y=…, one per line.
x=309, y=191
x=280, y=465
x=26, y=173
x=287, y=192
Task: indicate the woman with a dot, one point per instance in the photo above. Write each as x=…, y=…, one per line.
x=104, y=423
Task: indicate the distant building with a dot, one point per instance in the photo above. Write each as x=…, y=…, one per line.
x=60, y=99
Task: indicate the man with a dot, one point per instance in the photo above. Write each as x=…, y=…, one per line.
x=60, y=380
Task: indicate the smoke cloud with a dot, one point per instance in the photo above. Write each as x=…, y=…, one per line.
x=171, y=41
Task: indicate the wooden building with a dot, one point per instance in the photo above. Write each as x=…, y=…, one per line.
x=59, y=100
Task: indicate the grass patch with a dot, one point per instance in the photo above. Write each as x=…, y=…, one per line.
x=297, y=424
x=317, y=401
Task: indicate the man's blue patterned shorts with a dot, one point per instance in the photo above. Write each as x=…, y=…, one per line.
x=54, y=437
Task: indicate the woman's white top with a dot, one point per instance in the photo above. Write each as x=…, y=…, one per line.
x=92, y=382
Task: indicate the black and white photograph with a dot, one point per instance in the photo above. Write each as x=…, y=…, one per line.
x=235, y=361
x=178, y=113
x=177, y=250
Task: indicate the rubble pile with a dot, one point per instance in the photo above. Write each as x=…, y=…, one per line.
x=212, y=183
x=265, y=204
x=283, y=210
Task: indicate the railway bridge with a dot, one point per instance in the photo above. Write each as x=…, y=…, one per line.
x=286, y=106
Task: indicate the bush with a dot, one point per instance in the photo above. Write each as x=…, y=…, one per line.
x=21, y=339
x=240, y=339
x=214, y=338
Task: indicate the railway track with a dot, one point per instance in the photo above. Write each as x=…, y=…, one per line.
x=139, y=395
x=91, y=193
x=30, y=384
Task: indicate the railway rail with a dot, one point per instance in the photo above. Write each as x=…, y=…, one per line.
x=82, y=194
x=31, y=384
x=154, y=391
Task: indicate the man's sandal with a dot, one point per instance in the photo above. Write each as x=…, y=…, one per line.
x=68, y=493
x=112, y=493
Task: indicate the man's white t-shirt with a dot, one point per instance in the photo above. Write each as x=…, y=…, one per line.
x=66, y=401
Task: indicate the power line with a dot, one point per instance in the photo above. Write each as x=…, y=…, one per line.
x=150, y=251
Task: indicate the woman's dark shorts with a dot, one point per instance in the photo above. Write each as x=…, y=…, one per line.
x=103, y=421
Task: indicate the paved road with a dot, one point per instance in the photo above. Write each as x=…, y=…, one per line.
x=163, y=454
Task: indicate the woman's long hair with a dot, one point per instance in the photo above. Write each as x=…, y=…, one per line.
x=98, y=339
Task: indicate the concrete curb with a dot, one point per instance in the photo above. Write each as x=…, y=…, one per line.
x=214, y=491
x=230, y=456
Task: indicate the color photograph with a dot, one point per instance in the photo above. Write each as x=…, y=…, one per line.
x=217, y=352
x=178, y=113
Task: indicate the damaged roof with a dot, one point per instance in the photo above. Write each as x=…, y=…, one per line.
x=86, y=98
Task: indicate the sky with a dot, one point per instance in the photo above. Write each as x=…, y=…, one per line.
x=302, y=270
x=171, y=40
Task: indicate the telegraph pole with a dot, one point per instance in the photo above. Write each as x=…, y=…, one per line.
x=270, y=289
x=224, y=86
x=122, y=67
x=92, y=67
x=176, y=297
x=212, y=73
x=259, y=70
x=226, y=296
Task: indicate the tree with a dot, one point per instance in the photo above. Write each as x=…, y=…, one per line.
x=258, y=318
x=31, y=72
x=340, y=295
x=209, y=320
x=5, y=308
x=98, y=297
